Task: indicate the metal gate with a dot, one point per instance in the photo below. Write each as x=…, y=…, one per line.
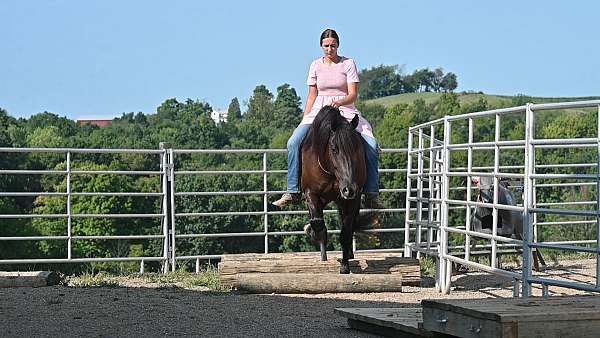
x=441, y=193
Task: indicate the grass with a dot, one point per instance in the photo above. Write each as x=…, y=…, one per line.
x=207, y=278
x=89, y=280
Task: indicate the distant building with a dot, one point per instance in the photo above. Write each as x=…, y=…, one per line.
x=99, y=123
x=219, y=116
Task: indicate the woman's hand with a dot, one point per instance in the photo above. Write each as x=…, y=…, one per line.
x=336, y=104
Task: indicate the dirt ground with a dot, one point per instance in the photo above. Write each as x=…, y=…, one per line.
x=139, y=309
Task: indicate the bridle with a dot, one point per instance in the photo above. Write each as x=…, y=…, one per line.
x=323, y=168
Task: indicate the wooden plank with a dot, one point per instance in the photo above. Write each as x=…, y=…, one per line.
x=310, y=263
x=389, y=322
x=461, y=325
x=315, y=283
x=404, y=319
x=307, y=255
x=523, y=309
x=10, y=279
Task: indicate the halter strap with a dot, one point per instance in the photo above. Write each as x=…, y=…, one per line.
x=323, y=168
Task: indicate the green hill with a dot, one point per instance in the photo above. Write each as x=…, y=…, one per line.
x=464, y=98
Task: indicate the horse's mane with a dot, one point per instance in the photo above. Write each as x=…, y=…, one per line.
x=328, y=119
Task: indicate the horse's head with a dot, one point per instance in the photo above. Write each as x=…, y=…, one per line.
x=346, y=156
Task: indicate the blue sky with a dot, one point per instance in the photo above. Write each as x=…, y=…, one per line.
x=99, y=59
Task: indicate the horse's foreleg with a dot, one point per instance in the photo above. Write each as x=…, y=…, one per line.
x=316, y=229
x=348, y=212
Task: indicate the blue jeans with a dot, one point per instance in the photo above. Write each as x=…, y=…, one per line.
x=294, y=155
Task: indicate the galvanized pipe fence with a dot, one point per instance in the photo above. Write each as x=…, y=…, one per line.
x=443, y=188
x=170, y=212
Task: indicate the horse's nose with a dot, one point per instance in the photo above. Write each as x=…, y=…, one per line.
x=347, y=193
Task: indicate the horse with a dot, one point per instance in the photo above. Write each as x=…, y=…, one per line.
x=333, y=169
x=510, y=222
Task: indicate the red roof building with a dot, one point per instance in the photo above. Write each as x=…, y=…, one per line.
x=99, y=123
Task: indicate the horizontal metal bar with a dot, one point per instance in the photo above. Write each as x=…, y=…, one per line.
x=564, y=247
x=116, y=215
x=564, y=212
x=568, y=203
x=487, y=144
x=136, y=194
x=487, y=205
x=116, y=172
x=78, y=260
x=561, y=146
x=493, y=112
x=564, y=176
x=34, y=238
x=569, y=141
x=119, y=237
x=564, y=284
x=17, y=194
x=565, y=105
x=223, y=172
x=505, y=175
x=565, y=223
x=11, y=216
x=574, y=184
x=221, y=193
x=32, y=172
x=80, y=150
x=483, y=235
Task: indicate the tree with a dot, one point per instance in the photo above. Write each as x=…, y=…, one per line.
x=449, y=82
x=234, y=113
x=379, y=81
x=260, y=105
x=87, y=205
x=287, y=112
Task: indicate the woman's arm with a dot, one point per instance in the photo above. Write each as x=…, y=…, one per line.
x=310, y=100
x=350, y=98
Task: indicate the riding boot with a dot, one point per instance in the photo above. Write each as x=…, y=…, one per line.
x=288, y=198
x=372, y=201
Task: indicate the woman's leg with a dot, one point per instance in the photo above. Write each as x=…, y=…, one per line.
x=372, y=157
x=294, y=145
x=294, y=156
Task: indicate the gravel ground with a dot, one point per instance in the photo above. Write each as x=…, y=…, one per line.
x=134, y=309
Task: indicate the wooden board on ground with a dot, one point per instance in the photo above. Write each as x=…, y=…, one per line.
x=389, y=322
x=519, y=317
x=233, y=266
x=11, y=279
x=316, y=283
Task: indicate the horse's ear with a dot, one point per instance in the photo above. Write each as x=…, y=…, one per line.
x=354, y=121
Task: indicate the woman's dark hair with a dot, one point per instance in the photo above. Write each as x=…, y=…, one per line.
x=329, y=33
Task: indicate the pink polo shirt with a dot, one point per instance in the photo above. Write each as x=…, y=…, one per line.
x=332, y=85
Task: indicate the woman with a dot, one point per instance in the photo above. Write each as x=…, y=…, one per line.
x=332, y=80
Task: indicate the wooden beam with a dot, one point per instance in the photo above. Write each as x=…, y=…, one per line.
x=11, y=279
x=315, y=283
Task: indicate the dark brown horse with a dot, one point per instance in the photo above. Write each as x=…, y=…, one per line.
x=333, y=169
